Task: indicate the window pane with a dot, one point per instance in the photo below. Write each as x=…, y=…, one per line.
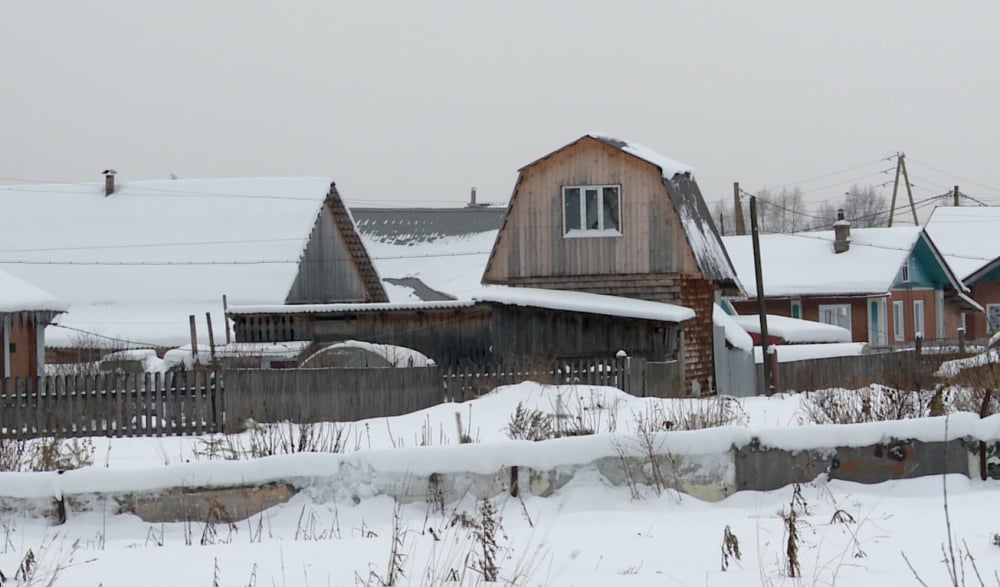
x=571, y=199
x=611, y=209
x=593, y=222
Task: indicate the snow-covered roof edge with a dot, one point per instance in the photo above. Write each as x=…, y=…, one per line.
x=702, y=235
x=349, y=308
x=736, y=336
x=577, y=301
x=17, y=295
x=668, y=167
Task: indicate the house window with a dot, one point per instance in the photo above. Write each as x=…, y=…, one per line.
x=592, y=210
x=897, y=320
x=992, y=318
x=836, y=314
x=796, y=308
x=904, y=273
x=918, y=319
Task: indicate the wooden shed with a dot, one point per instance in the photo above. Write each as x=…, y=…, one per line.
x=25, y=310
x=607, y=216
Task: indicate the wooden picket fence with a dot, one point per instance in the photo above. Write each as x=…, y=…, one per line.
x=167, y=404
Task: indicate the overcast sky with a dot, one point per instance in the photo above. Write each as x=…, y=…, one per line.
x=417, y=101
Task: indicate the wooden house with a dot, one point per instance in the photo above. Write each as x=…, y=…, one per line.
x=133, y=260
x=605, y=216
x=25, y=311
x=884, y=285
x=969, y=239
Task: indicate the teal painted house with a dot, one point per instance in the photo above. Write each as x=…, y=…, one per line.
x=885, y=285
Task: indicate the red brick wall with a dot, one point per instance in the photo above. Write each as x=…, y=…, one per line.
x=930, y=314
x=984, y=293
x=698, y=294
x=24, y=360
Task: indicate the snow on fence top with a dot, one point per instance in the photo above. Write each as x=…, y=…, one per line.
x=348, y=308
x=17, y=295
x=577, y=301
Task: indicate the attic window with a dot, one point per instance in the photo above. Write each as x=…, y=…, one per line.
x=592, y=210
x=904, y=273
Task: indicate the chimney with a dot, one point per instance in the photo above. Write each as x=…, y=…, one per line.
x=472, y=198
x=109, y=181
x=841, y=233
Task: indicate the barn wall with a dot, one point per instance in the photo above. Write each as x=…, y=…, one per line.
x=531, y=243
x=547, y=334
x=327, y=271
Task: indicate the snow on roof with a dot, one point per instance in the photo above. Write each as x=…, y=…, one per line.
x=735, y=334
x=17, y=295
x=135, y=264
x=804, y=263
x=348, y=308
x=668, y=166
x=793, y=330
x=577, y=301
x=451, y=265
x=411, y=226
x=966, y=236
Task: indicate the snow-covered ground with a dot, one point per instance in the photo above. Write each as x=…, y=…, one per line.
x=587, y=533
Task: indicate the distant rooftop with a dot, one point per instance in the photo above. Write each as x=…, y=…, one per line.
x=407, y=226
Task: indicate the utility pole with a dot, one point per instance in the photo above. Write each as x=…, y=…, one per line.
x=741, y=227
x=956, y=195
x=761, y=302
x=901, y=169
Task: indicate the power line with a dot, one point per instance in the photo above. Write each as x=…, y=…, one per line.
x=958, y=177
x=826, y=175
x=111, y=338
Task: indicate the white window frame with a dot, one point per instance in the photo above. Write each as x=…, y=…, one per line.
x=601, y=230
x=904, y=273
x=898, y=320
x=919, y=323
x=796, y=305
x=838, y=310
x=992, y=318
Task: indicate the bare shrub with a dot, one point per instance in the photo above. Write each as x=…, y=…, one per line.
x=264, y=440
x=730, y=548
x=875, y=403
x=45, y=454
x=528, y=424
x=486, y=534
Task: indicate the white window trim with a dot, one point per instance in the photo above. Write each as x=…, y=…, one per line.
x=835, y=307
x=898, y=321
x=904, y=273
x=590, y=232
x=796, y=304
x=989, y=325
x=919, y=321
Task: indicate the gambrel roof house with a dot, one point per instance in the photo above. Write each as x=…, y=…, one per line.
x=25, y=310
x=969, y=239
x=885, y=286
x=134, y=260
x=607, y=216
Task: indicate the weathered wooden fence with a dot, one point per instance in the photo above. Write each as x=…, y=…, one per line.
x=324, y=395
x=471, y=379
x=901, y=370
x=169, y=404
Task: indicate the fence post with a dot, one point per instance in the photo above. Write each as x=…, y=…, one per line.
x=961, y=340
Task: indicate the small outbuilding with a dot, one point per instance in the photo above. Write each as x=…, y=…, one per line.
x=25, y=311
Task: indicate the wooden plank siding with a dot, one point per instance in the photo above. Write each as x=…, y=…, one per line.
x=327, y=269
x=531, y=243
x=651, y=260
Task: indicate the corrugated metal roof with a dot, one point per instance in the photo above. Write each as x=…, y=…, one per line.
x=404, y=226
